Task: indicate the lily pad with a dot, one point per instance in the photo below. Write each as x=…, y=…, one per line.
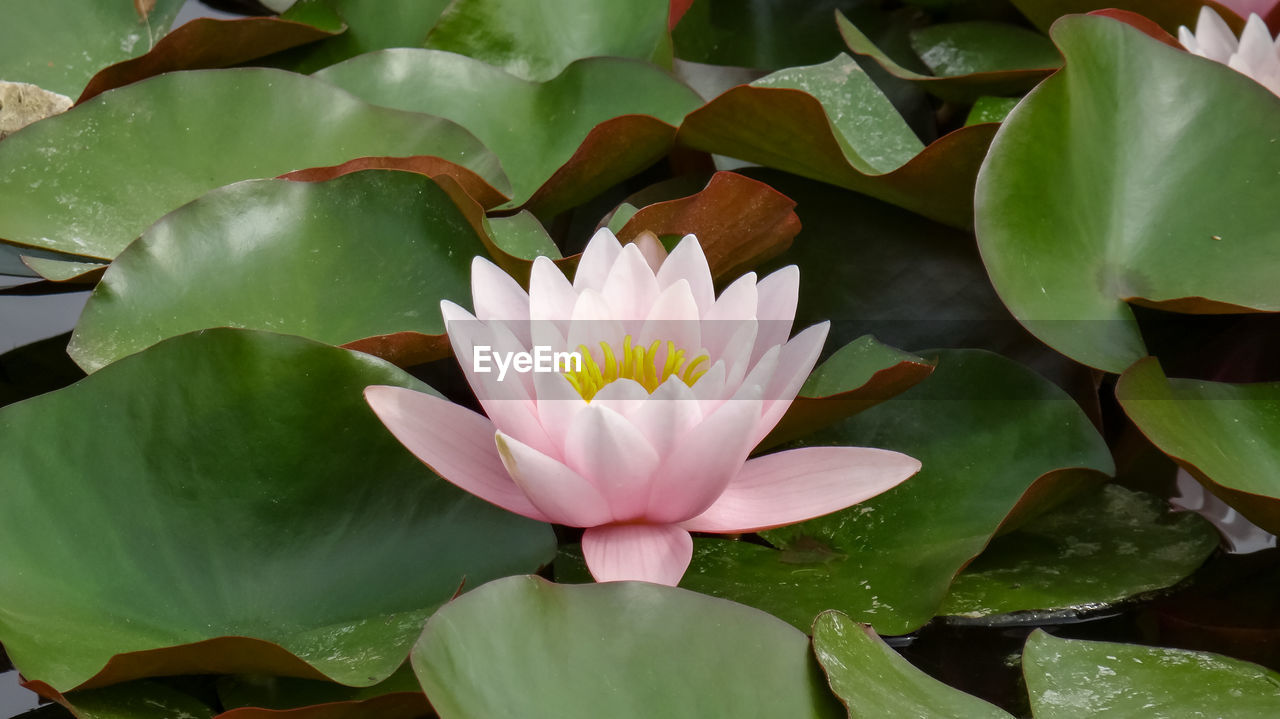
x=60, y=44
x=988, y=432
x=875, y=681
x=537, y=129
x=1095, y=551
x=205, y=43
x=244, y=516
x=831, y=123
x=990, y=109
x=618, y=650
x=1081, y=207
x=968, y=59
x=366, y=254
x=370, y=27
x=90, y=180
x=1226, y=435
x=538, y=40
x=1070, y=679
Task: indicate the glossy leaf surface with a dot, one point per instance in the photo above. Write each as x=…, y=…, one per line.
x=873, y=680
x=537, y=40
x=247, y=514
x=89, y=181
x=366, y=254
x=618, y=650
x=1081, y=206
x=1097, y=550
x=1226, y=435
x=534, y=128
x=1073, y=679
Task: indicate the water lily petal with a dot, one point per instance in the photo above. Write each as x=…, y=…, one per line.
x=603, y=446
x=801, y=484
x=643, y=552
x=674, y=317
x=630, y=287
x=596, y=261
x=778, y=295
x=593, y=323
x=1214, y=36
x=670, y=412
x=560, y=493
x=795, y=362
x=735, y=308
x=651, y=247
x=688, y=262
x=495, y=295
x=557, y=404
x=551, y=300
x=453, y=441
x=700, y=466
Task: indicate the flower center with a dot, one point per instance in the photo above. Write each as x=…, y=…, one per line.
x=635, y=362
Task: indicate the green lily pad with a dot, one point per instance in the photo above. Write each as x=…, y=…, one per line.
x=538, y=40
x=60, y=44
x=1070, y=679
x=89, y=181
x=1081, y=207
x=1226, y=435
x=1095, y=551
x=205, y=43
x=990, y=109
x=522, y=236
x=988, y=432
x=366, y=254
x=525, y=647
x=233, y=507
x=967, y=59
x=535, y=128
x=875, y=681
x=1169, y=14
x=370, y=27
x=831, y=123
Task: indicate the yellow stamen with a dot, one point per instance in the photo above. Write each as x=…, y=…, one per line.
x=634, y=363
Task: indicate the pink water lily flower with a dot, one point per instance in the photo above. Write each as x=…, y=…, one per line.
x=647, y=438
x=1255, y=54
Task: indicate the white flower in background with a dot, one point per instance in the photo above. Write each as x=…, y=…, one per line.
x=1254, y=54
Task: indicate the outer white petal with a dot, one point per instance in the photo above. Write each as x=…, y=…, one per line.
x=673, y=317
x=1214, y=37
x=551, y=297
x=734, y=309
x=496, y=296
x=688, y=262
x=597, y=259
x=779, y=294
x=630, y=287
x=796, y=361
